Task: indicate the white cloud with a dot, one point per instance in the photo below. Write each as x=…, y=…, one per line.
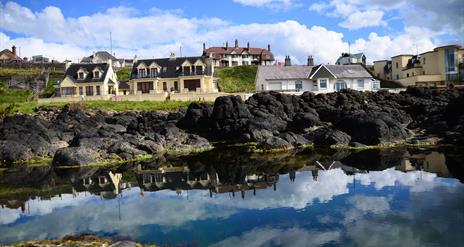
x=292, y=237
x=50, y=33
x=267, y=3
x=369, y=18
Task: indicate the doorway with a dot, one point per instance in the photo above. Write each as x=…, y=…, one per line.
x=145, y=87
x=192, y=85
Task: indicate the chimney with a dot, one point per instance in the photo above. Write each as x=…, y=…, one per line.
x=13, y=49
x=172, y=56
x=236, y=43
x=204, y=47
x=227, y=44
x=310, y=60
x=288, y=61
x=269, y=47
x=248, y=45
x=66, y=65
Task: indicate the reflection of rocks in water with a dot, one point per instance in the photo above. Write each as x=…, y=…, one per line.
x=375, y=160
x=455, y=164
x=28, y=176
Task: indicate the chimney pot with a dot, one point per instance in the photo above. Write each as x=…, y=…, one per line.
x=269, y=47
x=227, y=44
x=13, y=49
x=204, y=47
x=288, y=61
x=310, y=60
x=236, y=43
x=248, y=45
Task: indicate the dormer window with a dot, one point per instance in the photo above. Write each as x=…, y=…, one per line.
x=96, y=74
x=141, y=73
x=80, y=75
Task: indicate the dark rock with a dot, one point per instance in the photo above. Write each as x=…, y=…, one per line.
x=74, y=156
x=197, y=118
x=326, y=137
x=274, y=142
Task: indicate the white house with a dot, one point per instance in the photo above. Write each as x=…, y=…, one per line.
x=317, y=79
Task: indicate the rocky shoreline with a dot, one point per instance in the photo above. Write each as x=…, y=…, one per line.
x=269, y=121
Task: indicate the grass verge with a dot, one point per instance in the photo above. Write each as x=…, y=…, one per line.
x=236, y=79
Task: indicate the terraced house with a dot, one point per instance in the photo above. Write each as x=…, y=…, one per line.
x=440, y=67
x=89, y=80
x=173, y=74
x=235, y=56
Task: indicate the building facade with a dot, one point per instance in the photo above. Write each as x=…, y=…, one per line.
x=317, y=79
x=103, y=57
x=173, y=74
x=87, y=80
x=440, y=67
x=236, y=56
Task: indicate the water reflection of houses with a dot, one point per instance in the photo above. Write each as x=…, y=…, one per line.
x=433, y=162
x=106, y=184
x=181, y=178
x=317, y=165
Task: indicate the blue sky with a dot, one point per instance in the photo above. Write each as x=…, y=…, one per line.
x=148, y=28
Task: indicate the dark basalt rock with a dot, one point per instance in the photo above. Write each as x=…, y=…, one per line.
x=326, y=137
x=74, y=156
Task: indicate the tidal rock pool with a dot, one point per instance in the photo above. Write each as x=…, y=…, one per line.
x=227, y=197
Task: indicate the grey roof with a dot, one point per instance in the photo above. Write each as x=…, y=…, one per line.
x=272, y=72
x=73, y=68
x=348, y=71
x=100, y=55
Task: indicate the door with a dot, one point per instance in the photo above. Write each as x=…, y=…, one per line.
x=145, y=87
x=192, y=85
x=339, y=85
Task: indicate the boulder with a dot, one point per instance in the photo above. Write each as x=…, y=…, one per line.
x=325, y=137
x=197, y=117
x=74, y=156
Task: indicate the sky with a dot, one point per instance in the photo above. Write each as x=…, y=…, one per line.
x=298, y=28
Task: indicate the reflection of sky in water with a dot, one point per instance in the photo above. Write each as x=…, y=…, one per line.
x=381, y=208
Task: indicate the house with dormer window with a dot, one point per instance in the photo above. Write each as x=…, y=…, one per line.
x=317, y=79
x=89, y=80
x=173, y=74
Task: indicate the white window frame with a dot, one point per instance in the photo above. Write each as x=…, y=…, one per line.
x=326, y=83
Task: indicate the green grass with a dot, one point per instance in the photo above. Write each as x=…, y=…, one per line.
x=119, y=106
x=124, y=74
x=13, y=95
x=236, y=79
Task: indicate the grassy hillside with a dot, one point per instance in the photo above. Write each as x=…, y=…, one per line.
x=236, y=79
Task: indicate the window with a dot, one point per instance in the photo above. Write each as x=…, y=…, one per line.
x=397, y=76
x=323, y=83
x=81, y=75
x=97, y=89
x=314, y=84
x=245, y=63
x=360, y=83
x=96, y=74
x=165, y=69
x=165, y=86
x=423, y=60
x=396, y=65
x=89, y=91
x=298, y=85
x=176, y=86
x=407, y=74
x=141, y=73
x=68, y=90
x=153, y=72
x=244, y=56
x=375, y=84
x=81, y=91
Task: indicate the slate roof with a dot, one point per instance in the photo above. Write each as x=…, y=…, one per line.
x=304, y=72
x=173, y=65
x=123, y=85
x=100, y=55
x=348, y=71
x=218, y=51
x=73, y=68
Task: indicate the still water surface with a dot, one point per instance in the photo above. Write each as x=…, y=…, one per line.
x=231, y=198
